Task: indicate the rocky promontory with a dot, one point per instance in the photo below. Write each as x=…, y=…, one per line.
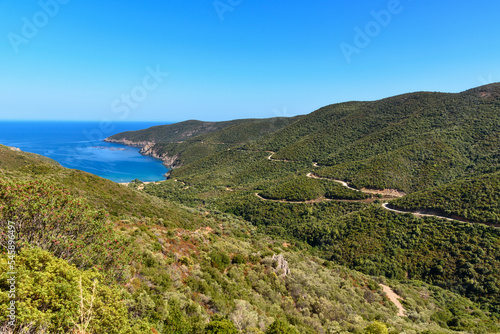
x=151, y=149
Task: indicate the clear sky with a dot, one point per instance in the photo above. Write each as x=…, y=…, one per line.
x=227, y=59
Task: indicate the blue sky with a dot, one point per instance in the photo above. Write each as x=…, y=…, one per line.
x=227, y=59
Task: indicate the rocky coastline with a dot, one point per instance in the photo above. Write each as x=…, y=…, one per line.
x=149, y=148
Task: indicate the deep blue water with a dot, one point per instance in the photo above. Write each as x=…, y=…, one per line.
x=79, y=145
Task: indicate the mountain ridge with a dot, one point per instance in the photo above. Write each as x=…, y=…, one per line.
x=200, y=250
x=327, y=134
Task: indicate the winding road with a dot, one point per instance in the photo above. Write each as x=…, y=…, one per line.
x=420, y=214
x=387, y=193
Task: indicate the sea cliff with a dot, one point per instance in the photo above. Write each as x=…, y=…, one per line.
x=150, y=148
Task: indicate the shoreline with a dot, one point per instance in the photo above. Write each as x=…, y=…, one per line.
x=147, y=148
x=127, y=183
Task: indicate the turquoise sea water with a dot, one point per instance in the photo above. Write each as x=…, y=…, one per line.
x=79, y=145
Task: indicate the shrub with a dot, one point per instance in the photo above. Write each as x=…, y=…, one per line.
x=281, y=327
x=239, y=259
x=219, y=259
x=176, y=322
x=376, y=327
x=52, y=293
x=71, y=229
x=220, y=326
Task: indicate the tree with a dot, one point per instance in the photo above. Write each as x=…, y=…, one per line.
x=281, y=327
x=176, y=322
x=376, y=327
x=219, y=325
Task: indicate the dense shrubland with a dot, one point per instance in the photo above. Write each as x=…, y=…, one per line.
x=457, y=256
x=303, y=188
x=474, y=198
x=223, y=277
x=200, y=253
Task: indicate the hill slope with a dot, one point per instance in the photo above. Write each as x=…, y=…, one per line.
x=171, y=133
x=218, y=274
x=116, y=199
x=474, y=198
x=407, y=142
x=185, y=142
x=428, y=142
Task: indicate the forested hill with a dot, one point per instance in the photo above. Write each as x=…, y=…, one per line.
x=408, y=142
x=180, y=132
x=185, y=142
x=171, y=133
x=256, y=231
x=96, y=255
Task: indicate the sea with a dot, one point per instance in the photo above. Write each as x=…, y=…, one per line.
x=80, y=145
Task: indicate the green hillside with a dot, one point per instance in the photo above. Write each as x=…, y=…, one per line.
x=474, y=198
x=432, y=142
x=90, y=271
x=254, y=231
x=408, y=142
x=173, y=133
x=117, y=200
x=232, y=132
x=433, y=138
x=182, y=143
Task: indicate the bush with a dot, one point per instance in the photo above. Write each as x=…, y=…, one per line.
x=219, y=259
x=71, y=229
x=220, y=326
x=52, y=293
x=239, y=259
x=281, y=327
x=176, y=322
x=376, y=327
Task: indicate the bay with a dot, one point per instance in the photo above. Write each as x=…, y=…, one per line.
x=79, y=145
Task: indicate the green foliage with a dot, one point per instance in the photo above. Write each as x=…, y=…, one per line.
x=115, y=199
x=220, y=326
x=453, y=255
x=27, y=162
x=281, y=327
x=238, y=259
x=299, y=188
x=443, y=144
x=176, y=322
x=407, y=142
x=376, y=327
x=192, y=140
x=71, y=229
x=305, y=222
x=219, y=259
x=303, y=188
x=172, y=133
x=475, y=198
x=48, y=294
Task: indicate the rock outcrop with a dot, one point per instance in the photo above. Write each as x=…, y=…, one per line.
x=127, y=142
x=169, y=161
x=281, y=265
x=148, y=148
